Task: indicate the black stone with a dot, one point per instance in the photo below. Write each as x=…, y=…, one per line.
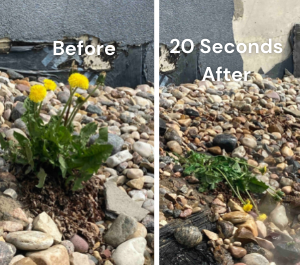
x=162, y=127
x=168, y=212
x=225, y=141
x=20, y=98
x=220, y=118
x=231, y=93
x=176, y=213
x=254, y=248
x=293, y=162
x=191, y=112
x=178, y=168
x=172, y=135
x=32, y=78
x=257, y=123
x=17, y=111
x=208, y=145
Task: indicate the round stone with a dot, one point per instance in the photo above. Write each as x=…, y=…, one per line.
x=30, y=240
x=188, y=236
x=80, y=244
x=68, y=245
x=255, y=259
x=7, y=251
x=249, y=141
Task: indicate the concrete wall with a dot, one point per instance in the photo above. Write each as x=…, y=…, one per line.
x=128, y=23
x=261, y=20
x=225, y=21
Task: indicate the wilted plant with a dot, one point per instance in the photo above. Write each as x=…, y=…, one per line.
x=211, y=170
x=52, y=148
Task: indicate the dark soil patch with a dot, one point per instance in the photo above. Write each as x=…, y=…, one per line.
x=73, y=212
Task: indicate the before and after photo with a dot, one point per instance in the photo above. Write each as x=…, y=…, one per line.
x=147, y=132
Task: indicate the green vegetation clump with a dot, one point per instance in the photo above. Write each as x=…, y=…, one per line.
x=211, y=170
x=53, y=149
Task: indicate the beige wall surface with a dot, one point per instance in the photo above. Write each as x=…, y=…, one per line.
x=260, y=20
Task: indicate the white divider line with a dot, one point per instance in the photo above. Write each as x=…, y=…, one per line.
x=156, y=131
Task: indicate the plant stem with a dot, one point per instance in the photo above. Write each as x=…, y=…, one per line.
x=69, y=107
x=255, y=206
x=35, y=110
x=75, y=110
x=236, y=194
x=238, y=191
x=39, y=109
x=68, y=103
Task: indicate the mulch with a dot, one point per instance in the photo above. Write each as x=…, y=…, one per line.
x=73, y=212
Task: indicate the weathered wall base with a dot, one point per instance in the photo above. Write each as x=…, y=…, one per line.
x=129, y=24
x=131, y=66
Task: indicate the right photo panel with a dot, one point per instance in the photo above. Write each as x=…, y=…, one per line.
x=229, y=132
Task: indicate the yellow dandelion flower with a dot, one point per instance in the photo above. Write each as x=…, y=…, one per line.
x=263, y=170
x=49, y=84
x=78, y=80
x=37, y=93
x=79, y=96
x=262, y=217
x=248, y=206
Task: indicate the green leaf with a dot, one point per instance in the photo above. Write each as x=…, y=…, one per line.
x=87, y=131
x=29, y=106
x=234, y=170
x=4, y=144
x=28, y=170
x=103, y=135
x=63, y=165
x=42, y=177
x=236, y=167
x=78, y=181
x=101, y=79
x=257, y=186
x=63, y=136
x=91, y=158
x=34, y=126
x=25, y=147
x=77, y=185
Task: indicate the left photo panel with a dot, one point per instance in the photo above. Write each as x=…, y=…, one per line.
x=77, y=132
